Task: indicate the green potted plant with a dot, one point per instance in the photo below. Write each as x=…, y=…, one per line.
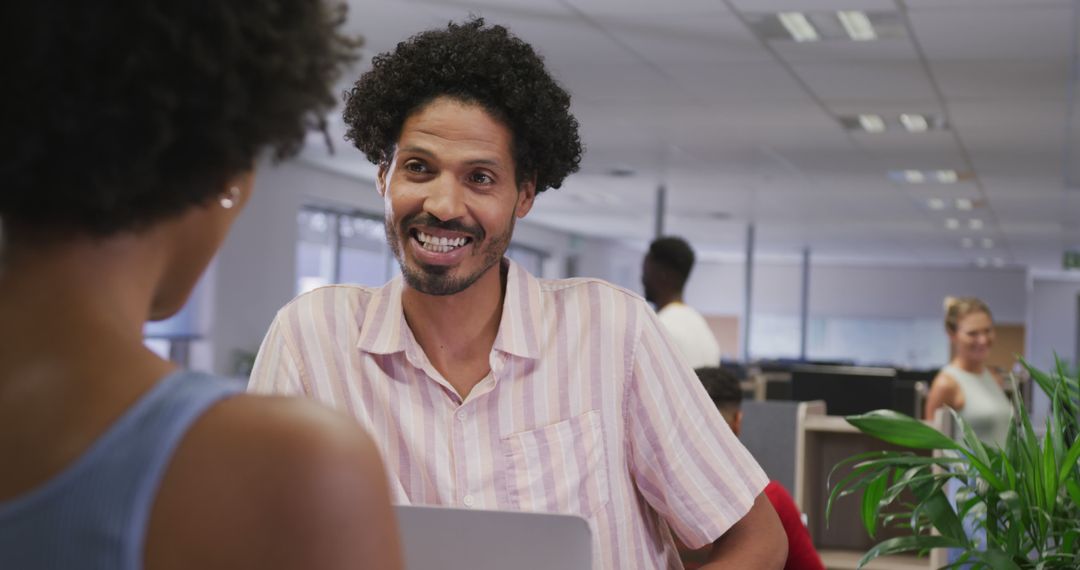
x=1023, y=500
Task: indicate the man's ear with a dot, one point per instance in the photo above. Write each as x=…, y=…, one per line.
x=736, y=426
x=526, y=196
x=380, y=178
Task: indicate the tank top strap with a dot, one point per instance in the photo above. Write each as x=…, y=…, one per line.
x=94, y=514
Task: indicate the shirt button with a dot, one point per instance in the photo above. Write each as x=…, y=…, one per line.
x=469, y=500
x=462, y=415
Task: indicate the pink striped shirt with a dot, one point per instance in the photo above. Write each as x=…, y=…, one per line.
x=587, y=410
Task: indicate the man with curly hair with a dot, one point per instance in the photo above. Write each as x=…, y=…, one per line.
x=485, y=386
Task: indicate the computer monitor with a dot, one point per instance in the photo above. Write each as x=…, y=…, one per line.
x=847, y=390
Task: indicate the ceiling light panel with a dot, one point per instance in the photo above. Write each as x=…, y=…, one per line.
x=872, y=123
x=821, y=25
x=914, y=123
x=905, y=122
x=857, y=25
x=798, y=26
x=912, y=176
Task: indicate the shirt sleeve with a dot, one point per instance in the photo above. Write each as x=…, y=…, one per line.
x=684, y=458
x=276, y=369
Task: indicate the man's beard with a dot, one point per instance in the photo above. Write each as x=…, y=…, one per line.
x=436, y=279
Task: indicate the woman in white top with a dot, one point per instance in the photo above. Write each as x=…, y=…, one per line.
x=966, y=384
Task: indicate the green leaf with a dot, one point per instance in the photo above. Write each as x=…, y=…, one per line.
x=940, y=512
x=1010, y=472
x=997, y=559
x=1073, y=488
x=907, y=544
x=902, y=430
x=1069, y=464
x=871, y=499
x=1049, y=473
x=1039, y=377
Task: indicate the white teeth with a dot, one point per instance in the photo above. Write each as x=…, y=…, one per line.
x=439, y=244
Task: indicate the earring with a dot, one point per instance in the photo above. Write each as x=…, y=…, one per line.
x=229, y=199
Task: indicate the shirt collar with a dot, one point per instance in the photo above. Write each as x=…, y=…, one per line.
x=522, y=317
x=382, y=326
x=383, y=329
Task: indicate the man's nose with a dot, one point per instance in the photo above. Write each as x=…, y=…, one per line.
x=446, y=200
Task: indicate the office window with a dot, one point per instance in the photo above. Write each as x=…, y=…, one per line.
x=530, y=258
x=913, y=343
x=341, y=247
x=316, y=249
x=173, y=338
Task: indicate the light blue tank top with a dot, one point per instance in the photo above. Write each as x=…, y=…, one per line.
x=93, y=515
x=986, y=409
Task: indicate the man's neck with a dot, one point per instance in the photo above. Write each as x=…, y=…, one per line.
x=668, y=299
x=457, y=332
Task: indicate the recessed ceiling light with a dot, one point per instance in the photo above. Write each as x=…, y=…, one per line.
x=936, y=204
x=621, y=172
x=798, y=26
x=975, y=224
x=967, y=243
x=952, y=223
x=964, y=204
x=999, y=262
x=914, y=123
x=947, y=176
x=872, y=123
x=914, y=176
x=982, y=262
x=987, y=243
x=857, y=25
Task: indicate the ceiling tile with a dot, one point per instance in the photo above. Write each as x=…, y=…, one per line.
x=1039, y=32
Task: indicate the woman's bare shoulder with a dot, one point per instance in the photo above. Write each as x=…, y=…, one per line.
x=272, y=482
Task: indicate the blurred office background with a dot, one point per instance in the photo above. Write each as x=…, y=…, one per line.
x=839, y=166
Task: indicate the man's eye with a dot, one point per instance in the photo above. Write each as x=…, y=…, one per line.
x=481, y=178
x=415, y=167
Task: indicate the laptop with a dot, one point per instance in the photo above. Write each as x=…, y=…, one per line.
x=442, y=538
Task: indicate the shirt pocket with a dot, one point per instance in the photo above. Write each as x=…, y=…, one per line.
x=559, y=468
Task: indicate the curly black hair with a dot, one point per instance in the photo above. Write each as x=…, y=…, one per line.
x=723, y=387
x=121, y=113
x=674, y=254
x=476, y=64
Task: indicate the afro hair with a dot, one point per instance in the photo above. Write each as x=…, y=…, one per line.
x=473, y=63
x=122, y=113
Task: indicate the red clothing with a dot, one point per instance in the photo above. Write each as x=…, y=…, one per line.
x=801, y=553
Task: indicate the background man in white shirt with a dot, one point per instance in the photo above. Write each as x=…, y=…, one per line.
x=664, y=274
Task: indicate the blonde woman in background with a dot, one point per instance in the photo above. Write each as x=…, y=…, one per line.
x=967, y=384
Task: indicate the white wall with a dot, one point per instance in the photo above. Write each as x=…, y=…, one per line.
x=1053, y=320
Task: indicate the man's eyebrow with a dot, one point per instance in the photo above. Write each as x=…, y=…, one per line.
x=476, y=161
x=485, y=162
x=416, y=149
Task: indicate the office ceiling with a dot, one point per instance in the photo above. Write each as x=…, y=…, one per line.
x=740, y=128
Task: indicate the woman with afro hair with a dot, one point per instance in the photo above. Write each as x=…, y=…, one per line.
x=132, y=128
